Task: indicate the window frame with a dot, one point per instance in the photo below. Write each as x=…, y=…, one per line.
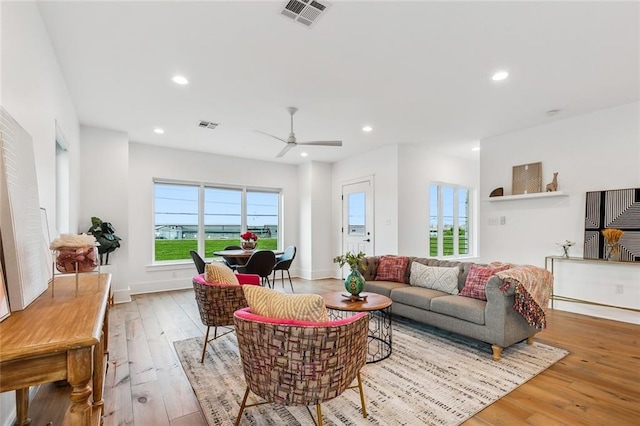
x=456, y=220
x=201, y=234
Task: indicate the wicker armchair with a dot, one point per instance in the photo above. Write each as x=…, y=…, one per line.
x=217, y=302
x=299, y=363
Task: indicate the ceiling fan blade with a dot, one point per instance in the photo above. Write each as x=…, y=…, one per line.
x=322, y=143
x=285, y=149
x=269, y=134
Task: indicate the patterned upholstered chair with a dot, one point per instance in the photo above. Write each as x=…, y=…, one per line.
x=292, y=362
x=217, y=302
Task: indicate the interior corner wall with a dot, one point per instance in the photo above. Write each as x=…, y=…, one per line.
x=314, y=253
x=421, y=167
x=382, y=164
x=590, y=152
x=104, y=194
x=147, y=162
x=35, y=94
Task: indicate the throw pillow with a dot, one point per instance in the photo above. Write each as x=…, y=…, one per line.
x=273, y=304
x=218, y=272
x=476, y=283
x=392, y=268
x=435, y=277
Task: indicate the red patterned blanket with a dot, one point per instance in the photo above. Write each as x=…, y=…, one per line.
x=532, y=286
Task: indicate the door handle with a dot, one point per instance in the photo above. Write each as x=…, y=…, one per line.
x=367, y=240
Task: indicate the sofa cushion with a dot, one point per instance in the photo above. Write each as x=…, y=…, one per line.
x=218, y=272
x=392, y=268
x=477, y=279
x=271, y=303
x=418, y=297
x=382, y=287
x=435, y=277
x=464, y=308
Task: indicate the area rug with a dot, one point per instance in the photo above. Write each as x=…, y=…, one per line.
x=431, y=378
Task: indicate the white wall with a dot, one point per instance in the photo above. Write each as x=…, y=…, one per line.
x=35, y=94
x=104, y=194
x=418, y=168
x=148, y=162
x=591, y=152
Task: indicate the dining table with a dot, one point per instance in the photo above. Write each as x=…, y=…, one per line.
x=241, y=256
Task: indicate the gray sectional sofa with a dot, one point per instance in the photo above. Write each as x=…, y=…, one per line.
x=493, y=321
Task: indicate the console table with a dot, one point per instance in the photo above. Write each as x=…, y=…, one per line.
x=549, y=264
x=59, y=338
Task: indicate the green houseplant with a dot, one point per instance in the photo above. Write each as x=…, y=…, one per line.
x=354, y=282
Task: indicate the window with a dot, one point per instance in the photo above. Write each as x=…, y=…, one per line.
x=449, y=212
x=209, y=218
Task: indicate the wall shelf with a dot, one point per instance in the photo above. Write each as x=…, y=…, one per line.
x=528, y=196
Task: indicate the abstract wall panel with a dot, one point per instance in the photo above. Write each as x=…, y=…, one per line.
x=619, y=209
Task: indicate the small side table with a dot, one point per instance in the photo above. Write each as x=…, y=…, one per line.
x=379, y=308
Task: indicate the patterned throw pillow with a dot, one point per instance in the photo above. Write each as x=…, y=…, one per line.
x=273, y=304
x=218, y=272
x=435, y=277
x=476, y=283
x=392, y=268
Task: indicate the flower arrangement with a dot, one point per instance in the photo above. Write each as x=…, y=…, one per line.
x=353, y=260
x=565, y=247
x=612, y=237
x=249, y=236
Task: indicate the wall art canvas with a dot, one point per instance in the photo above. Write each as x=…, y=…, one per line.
x=20, y=219
x=527, y=179
x=619, y=209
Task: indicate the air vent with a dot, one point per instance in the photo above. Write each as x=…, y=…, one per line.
x=305, y=12
x=208, y=124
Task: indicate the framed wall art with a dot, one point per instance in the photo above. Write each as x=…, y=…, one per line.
x=527, y=179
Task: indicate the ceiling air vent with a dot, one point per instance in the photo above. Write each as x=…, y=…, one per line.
x=208, y=124
x=305, y=12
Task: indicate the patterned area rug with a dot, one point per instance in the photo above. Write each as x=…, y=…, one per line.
x=431, y=378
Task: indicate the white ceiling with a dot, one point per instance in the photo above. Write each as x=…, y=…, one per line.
x=418, y=72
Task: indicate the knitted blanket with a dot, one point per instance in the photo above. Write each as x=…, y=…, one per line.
x=532, y=286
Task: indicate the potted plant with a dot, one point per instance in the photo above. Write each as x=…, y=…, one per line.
x=104, y=233
x=354, y=282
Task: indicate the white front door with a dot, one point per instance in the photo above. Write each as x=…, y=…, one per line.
x=357, y=218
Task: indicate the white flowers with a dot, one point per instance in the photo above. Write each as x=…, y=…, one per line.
x=566, y=244
x=73, y=240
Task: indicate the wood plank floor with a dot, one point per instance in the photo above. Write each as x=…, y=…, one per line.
x=598, y=383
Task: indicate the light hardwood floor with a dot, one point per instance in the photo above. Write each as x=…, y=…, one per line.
x=598, y=383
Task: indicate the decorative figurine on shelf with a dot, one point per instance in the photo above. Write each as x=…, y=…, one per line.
x=553, y=185
x=104, y=232
x=498, y=192
x=565, y=247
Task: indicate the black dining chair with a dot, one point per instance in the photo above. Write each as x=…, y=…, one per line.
x=199, y=261
x=260, y=263
x=232, y=262
x=283, y=264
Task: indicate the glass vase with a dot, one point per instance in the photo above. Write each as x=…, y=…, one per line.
x=248, y=245
x=612, y=252
x=354, y=283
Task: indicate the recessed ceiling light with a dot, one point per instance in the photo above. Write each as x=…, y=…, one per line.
x=158, y=130
x=178, y=79
x=303, y=154
x=500, y=75
x=367, y=128
x=475, y=148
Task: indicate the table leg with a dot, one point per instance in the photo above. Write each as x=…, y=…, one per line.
x=78, y=375
x=98, y=373
x=22, y=407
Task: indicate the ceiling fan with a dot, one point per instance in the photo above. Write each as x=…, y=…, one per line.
x=291, y=140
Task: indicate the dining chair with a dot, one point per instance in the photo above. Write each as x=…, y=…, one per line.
x=283, y=264
x=198, y=260
x=260, y=263
x=217, y=302
x=232, y=262
x=300, y=363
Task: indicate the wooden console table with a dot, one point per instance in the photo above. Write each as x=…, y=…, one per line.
x=59, y=338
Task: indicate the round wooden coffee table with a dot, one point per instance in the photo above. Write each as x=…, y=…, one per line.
x=379, y=308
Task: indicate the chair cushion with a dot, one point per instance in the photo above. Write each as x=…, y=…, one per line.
x=435, y=277
x=392, y=268
x=477, y=280
x=217, y=272
x=273, y=304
